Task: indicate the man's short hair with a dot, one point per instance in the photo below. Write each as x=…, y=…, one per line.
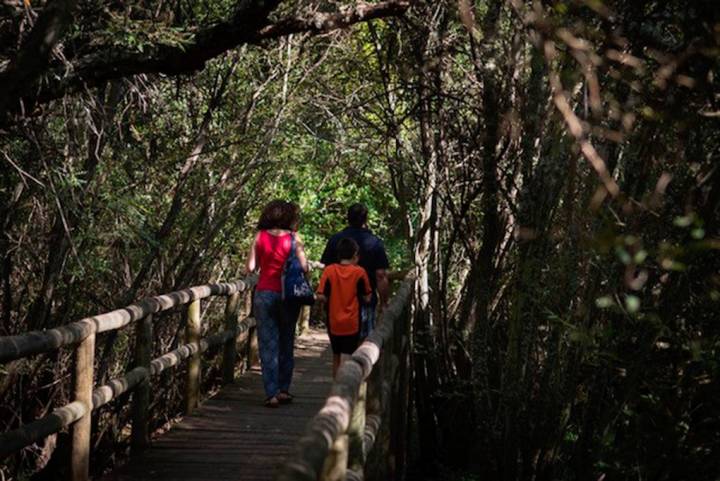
x=357, y=215
x=347, y=248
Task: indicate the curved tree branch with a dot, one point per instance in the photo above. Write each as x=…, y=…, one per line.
x=249, y=25
x=34, y=55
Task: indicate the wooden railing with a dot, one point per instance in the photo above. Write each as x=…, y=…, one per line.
x=366, y=411
x=80, y=336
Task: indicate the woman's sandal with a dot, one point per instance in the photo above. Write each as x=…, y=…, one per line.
x=285, y=397
x=272, y=402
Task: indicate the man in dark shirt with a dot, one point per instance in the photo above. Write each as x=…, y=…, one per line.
x=373, y=259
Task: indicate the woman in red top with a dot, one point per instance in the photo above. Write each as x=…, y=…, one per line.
x=275, y=319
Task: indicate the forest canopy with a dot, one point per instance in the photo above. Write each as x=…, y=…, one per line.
x=548, y=170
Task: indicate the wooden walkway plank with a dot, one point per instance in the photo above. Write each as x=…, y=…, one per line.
x=232, y=436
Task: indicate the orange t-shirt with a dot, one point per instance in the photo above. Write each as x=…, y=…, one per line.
x=342, y=284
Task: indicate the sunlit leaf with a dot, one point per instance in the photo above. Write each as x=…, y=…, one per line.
x=604, y=302
x=632, y=304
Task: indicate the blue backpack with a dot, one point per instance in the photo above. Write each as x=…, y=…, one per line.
x=295, y=287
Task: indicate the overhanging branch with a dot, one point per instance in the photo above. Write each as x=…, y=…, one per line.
x=326, y=22
x=33, y=57
x=250, y=26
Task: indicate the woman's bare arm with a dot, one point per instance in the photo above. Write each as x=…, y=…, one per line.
x=300, y=252
x=252, y=257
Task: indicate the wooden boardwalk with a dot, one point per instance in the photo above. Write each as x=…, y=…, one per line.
x=232, y=436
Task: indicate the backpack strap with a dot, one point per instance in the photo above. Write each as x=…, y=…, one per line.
x=293, y=247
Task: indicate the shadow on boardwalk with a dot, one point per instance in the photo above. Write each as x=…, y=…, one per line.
x=232, y=436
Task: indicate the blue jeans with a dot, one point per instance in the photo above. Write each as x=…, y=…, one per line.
x=276, y=336
x=368, y=315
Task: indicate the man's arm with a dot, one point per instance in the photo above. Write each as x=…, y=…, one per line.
x=366, y=288
x=383, y=285
x=382, y=279
x=327, y=257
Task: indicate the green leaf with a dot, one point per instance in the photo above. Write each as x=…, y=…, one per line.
x=632, y=304
x=640, y=256
x=604, y=302
x=672, y=265
x=623, y=255
x=683, y=221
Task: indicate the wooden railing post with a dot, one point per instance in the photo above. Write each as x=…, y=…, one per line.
x=335, y=468
x=140, y=436
x=83, y=387
x=356, y=431
x=251, y=354
x=374, y=392
x=403, y=392
x=192, y=335
x=247, y=303
x=230, y=350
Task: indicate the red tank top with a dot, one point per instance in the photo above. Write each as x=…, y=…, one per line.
x=272, y=251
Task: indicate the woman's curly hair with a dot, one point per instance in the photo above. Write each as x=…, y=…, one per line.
x=279, y=214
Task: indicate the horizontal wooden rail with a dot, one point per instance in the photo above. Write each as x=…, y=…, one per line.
x=81, y=334
x=373, y=423
x=12, y=441
x=36, y=342
x=322, y=452
x=60, y=418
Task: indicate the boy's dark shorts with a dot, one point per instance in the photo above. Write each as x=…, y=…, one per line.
x=344, y=344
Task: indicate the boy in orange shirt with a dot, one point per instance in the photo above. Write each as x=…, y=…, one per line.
x=342, y=285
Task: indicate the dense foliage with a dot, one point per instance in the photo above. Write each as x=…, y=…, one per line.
x=548, y=169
